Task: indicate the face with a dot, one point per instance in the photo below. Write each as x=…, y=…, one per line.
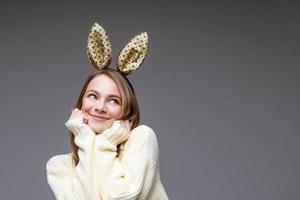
x=101, y=103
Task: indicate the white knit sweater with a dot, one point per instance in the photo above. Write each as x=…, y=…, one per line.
x=100, y=174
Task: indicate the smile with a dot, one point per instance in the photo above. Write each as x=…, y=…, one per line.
x=98, y=118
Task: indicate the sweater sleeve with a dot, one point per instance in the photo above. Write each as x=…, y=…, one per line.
x=62, y=179
x=85, y=173
x=132, y=176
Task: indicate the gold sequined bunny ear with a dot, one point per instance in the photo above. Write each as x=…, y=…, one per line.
x=99, y=47
x=133, y=54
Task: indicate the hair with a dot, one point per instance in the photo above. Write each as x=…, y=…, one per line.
x=129, y=104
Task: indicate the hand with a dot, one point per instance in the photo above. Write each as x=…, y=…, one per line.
x=78, y=113
x=125, y=124
x=116, y=134
x=77, y=124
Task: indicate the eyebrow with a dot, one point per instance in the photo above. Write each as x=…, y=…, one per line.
x=109, y=96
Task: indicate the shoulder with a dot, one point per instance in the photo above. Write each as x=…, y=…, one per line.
x=144, y=137
x=144, y=133
x=60, y=163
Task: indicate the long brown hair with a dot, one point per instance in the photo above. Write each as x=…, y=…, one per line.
x=130, y=108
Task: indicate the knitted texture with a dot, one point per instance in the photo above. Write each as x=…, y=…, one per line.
x=100, y=173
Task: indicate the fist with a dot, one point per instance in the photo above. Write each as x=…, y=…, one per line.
x=78, y=113
x=125, y=124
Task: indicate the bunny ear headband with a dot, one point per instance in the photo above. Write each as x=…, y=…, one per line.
x=100, y=53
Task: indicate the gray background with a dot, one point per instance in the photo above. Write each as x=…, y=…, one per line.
x=220, y=87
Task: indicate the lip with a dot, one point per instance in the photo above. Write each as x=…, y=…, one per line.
x=98, y=118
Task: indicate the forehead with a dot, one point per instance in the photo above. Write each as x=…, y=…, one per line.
x=104, y=85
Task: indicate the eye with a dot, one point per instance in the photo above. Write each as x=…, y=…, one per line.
x=114, y=101
x=92, y=96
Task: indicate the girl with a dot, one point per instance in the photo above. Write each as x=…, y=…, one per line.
x=112, y=156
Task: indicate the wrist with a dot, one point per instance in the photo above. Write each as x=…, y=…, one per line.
x=78, y=128
x=110, y=138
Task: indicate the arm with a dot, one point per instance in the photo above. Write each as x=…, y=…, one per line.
x=63, y=180
x=80, y=180
x=133, y=175
x=86, y=168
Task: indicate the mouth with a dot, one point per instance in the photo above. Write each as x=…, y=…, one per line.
x=98, y=118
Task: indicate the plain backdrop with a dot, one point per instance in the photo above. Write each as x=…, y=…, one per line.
x=219, y=86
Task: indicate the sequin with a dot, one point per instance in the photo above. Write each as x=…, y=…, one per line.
x=133, y=54
x=99, y=47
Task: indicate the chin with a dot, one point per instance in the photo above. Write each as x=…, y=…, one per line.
x=97, y=128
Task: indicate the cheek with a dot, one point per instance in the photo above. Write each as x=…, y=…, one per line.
x=115, y=111
x=86, y=105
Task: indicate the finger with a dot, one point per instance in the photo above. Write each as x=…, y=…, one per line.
x=76, y=113
x=128, y=125
x=85, y=121
x=122, y=123
x=85, y=118
x=75, y=110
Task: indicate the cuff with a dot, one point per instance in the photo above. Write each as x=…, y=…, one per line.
x=78, y=128
x=110, y=138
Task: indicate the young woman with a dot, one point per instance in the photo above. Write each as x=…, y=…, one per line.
x=112, y=156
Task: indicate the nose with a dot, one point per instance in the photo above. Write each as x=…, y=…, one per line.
x=100, y=107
